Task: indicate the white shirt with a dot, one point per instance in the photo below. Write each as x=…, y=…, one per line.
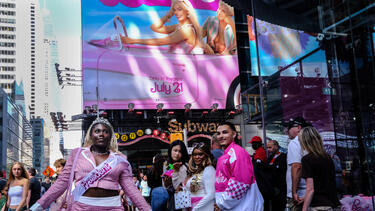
x=295, y=154
x=206, y=190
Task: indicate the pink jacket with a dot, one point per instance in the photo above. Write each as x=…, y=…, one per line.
x=120, y=176
x=235, y=179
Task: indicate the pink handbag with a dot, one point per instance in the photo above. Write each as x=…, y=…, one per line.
x=68, y=197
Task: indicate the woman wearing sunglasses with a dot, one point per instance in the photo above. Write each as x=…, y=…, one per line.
x=201, y=178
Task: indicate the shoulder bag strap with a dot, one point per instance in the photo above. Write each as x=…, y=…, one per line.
x=67, y=195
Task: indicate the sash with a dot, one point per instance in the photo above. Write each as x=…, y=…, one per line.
x=274, y=157
x=95, y=175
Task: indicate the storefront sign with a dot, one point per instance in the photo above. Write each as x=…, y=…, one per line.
x=175, y=136
x=124, y=137
x=155, y=132
x=175, y=127
x=140, y=133
x=132, y=136
x=163, y=135
x=148, y=131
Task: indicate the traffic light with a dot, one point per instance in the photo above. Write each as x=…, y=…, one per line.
x=59, y=77
x=58, y=73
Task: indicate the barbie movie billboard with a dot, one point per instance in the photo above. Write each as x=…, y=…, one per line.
x=148, y=52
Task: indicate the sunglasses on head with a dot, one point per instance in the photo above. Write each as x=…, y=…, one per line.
x=198, y=145
x=293, y=125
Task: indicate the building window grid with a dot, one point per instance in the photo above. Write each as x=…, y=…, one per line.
x=7, y=60
x=8, y=20
x=7, y=44
x=7, y=52
x=7, y=68
x=7, y=5
x=8, y=36
x=6, y=76
x=6, y=12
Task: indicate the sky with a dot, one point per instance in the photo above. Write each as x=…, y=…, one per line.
x=66, y=18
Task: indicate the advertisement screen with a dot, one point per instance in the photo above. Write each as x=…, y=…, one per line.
x=148, y=52
x=303, y=88
x=280, y=46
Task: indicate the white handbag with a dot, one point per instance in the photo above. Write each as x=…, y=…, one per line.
x=182, y=199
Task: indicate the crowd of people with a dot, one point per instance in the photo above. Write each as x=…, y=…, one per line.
x=23, y=189
x=220, y=176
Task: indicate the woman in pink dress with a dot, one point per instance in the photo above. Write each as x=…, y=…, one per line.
x=100, y=171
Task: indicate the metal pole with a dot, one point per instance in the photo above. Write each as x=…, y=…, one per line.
x=260, y=78
x=349, y=17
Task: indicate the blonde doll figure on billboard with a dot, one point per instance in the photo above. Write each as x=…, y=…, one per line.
x=184, y=37
x=220, y=32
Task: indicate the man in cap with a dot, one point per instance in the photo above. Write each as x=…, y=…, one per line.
x=296, y=186
x=260, y=153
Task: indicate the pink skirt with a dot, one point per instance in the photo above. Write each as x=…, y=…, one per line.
x=194, y=202
x=78, y=206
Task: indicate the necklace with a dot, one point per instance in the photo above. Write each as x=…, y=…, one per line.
x=99, y=153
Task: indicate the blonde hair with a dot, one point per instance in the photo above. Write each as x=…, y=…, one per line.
x=311, y=141
x=192, y=16
x=196, y=169
x=88, y=141
x=229, y=9
x=11, y=177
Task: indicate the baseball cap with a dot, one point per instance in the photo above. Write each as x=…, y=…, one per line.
x=255, y=139
x=295, y=122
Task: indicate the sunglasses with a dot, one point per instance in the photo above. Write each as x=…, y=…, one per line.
x=198, y=145
x=294, y=125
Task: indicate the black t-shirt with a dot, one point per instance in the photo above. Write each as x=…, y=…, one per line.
x=322, y=171
x=46, y=185
x=35, y=191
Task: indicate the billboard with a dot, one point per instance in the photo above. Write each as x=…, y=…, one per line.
x=303, y=89
x=148, y=52
x=280, y=46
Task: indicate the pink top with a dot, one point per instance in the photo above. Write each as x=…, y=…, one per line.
x=120, y=176
x=234, y=177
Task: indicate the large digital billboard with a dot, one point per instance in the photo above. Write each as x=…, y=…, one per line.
x=280, y=46
x=303, y=89
x=148, y=52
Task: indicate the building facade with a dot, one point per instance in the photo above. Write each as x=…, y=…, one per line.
x=8, y=46
x=326, y=79
x=16, y=134
x=38, y=144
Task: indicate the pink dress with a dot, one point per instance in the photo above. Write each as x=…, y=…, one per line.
x=235, y=184
x=121, y=176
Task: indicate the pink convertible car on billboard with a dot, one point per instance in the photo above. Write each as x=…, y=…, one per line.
x=116, y=74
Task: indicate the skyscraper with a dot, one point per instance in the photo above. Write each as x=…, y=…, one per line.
x=7, y=45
